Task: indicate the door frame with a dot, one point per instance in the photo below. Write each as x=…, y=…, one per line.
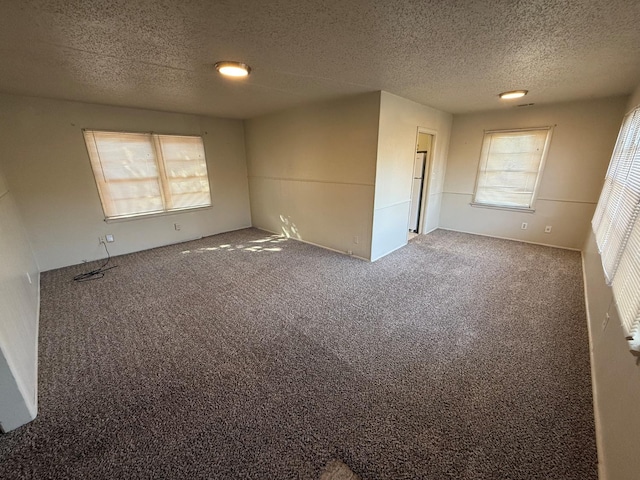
x=428, y=171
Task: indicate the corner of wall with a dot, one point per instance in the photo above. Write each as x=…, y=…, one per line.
x=399, y=122
x=583, y=139
x=311, y=171
x=15, y=409
x=55, y=189
x=615, y=375
x=634, y=99
x=19, y=317
x=594, y=390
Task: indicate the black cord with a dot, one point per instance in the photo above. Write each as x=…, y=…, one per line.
x=98, y=272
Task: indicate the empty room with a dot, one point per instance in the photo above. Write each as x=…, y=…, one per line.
x=319, y=240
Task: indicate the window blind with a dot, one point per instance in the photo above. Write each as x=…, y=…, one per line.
x=617, y=227
x=185, y=170
x=510, y=166
x=144, y=173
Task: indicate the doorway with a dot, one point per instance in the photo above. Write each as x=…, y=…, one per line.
x=419, y=185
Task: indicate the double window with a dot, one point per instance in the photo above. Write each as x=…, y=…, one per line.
x=616, y=225
x=144, y=173
x=511, y=162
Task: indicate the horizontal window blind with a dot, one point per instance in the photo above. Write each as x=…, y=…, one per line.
x=144, y=173
x=626, y=288
x=616, y=226
x=510, y=166
x=185, y=170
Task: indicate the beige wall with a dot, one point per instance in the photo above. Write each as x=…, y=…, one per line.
x=312, y=172
x=3, y=185
x=45, y=160
x=19, y=299
x=581, y=145
x=616, y=372
x=399, y=123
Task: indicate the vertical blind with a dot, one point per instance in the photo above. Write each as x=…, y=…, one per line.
x=510, y=163
x=144, y=173
x=617, y=228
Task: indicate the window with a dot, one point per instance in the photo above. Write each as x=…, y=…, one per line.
x=617, y=228
x=510, y=165
x=144, y=173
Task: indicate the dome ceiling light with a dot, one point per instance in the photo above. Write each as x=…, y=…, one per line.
x=233, y=69
x=513, y=94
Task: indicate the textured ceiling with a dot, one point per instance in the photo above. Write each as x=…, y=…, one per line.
x=452, y=55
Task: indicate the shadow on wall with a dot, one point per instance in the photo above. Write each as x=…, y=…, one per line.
x=289, y=228
x=267, y=244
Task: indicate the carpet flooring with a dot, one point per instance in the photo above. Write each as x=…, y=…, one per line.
x=250, y=356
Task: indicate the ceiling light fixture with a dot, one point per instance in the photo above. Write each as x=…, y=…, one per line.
x=513, y=94
x=233, y=69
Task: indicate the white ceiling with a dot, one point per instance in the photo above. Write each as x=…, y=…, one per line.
x=452, y=55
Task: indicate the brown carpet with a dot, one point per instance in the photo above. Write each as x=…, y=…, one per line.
x=248, y=356
x=337, y=470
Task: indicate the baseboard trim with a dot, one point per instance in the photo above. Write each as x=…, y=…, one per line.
x=314, y=244
x=389, y=252
x=594, y=391
x=429, y=231
x=35, y=393
x=512, y=239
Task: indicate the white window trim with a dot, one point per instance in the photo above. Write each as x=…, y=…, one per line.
x=139, y=216
x=536, y=187
x=500, y=207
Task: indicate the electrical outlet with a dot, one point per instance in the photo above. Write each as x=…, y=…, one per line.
x=100, y=240
x=356, y=239
x=349, y=252
x=109, y=238
x=524, y=225
x=177, y=226
x=547, y=229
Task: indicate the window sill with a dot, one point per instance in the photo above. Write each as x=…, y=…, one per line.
x=500, y=207
x=153, y=215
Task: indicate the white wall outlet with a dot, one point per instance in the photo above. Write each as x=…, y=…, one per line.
x=177, y=226
x=356, y=239
x=524, y=225
x=349, y=252
x=109, y=238
x=547, y=229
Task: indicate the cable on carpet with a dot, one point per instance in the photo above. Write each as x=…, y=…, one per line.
x=98, y=272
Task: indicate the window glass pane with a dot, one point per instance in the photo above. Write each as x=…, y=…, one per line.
x=126, y=172
x=183, y=156
x=138, y=173
x=510, y=164
x=125, y=156
x=138, y=206
x=627, y=281
x=185, y=200
x=186, y=171
x=190, y=192
x=136, y=197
